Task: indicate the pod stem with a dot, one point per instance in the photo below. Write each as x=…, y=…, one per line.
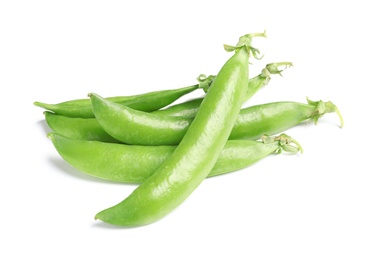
x=285, y=143
x=205, y=82
x=264, y=77
x=273, y=68
x=245, y=42
x=337, y=111
x=323, y=108
x=257, y=82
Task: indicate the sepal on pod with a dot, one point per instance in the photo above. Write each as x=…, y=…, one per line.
x=273, y=68
x=205, y=82
x=245, y=42
x=285, y=143
x=323, y=108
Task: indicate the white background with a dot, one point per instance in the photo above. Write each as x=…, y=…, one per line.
x=332, y=202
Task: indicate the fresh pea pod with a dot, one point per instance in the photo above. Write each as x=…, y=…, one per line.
x=136, y=127
x=151, y=101
x=189, y=108
x=134, y=164
x=196, y=154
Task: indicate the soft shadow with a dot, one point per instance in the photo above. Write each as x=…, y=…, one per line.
x=103, y=225
x=322, y=121
x=43, y=125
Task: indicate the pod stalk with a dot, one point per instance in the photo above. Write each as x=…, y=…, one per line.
x=245, y=42
x=323, y=108
x=205, y=82
x=285, y=143
x=273, y=68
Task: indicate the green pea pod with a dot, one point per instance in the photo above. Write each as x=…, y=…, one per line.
x=144, y=102
x=196, y=154
x=189, y=108
x=136, y=127
x=134, y=164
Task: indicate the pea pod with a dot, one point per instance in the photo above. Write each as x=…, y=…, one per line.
x=196, y=154
x=151, y=101
x=136, y=127
x=134, y=164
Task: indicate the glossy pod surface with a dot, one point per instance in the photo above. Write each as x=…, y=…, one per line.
x=271, y=118
x=134, y=164
x=136, y=127
x=194, y=157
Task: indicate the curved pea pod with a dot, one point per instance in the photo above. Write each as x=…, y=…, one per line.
x=134, y=164
x=136, y=127
x=196, y=154
x=189, y=108
x=151, y=101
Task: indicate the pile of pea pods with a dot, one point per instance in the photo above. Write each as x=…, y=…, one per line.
x=170, y=149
